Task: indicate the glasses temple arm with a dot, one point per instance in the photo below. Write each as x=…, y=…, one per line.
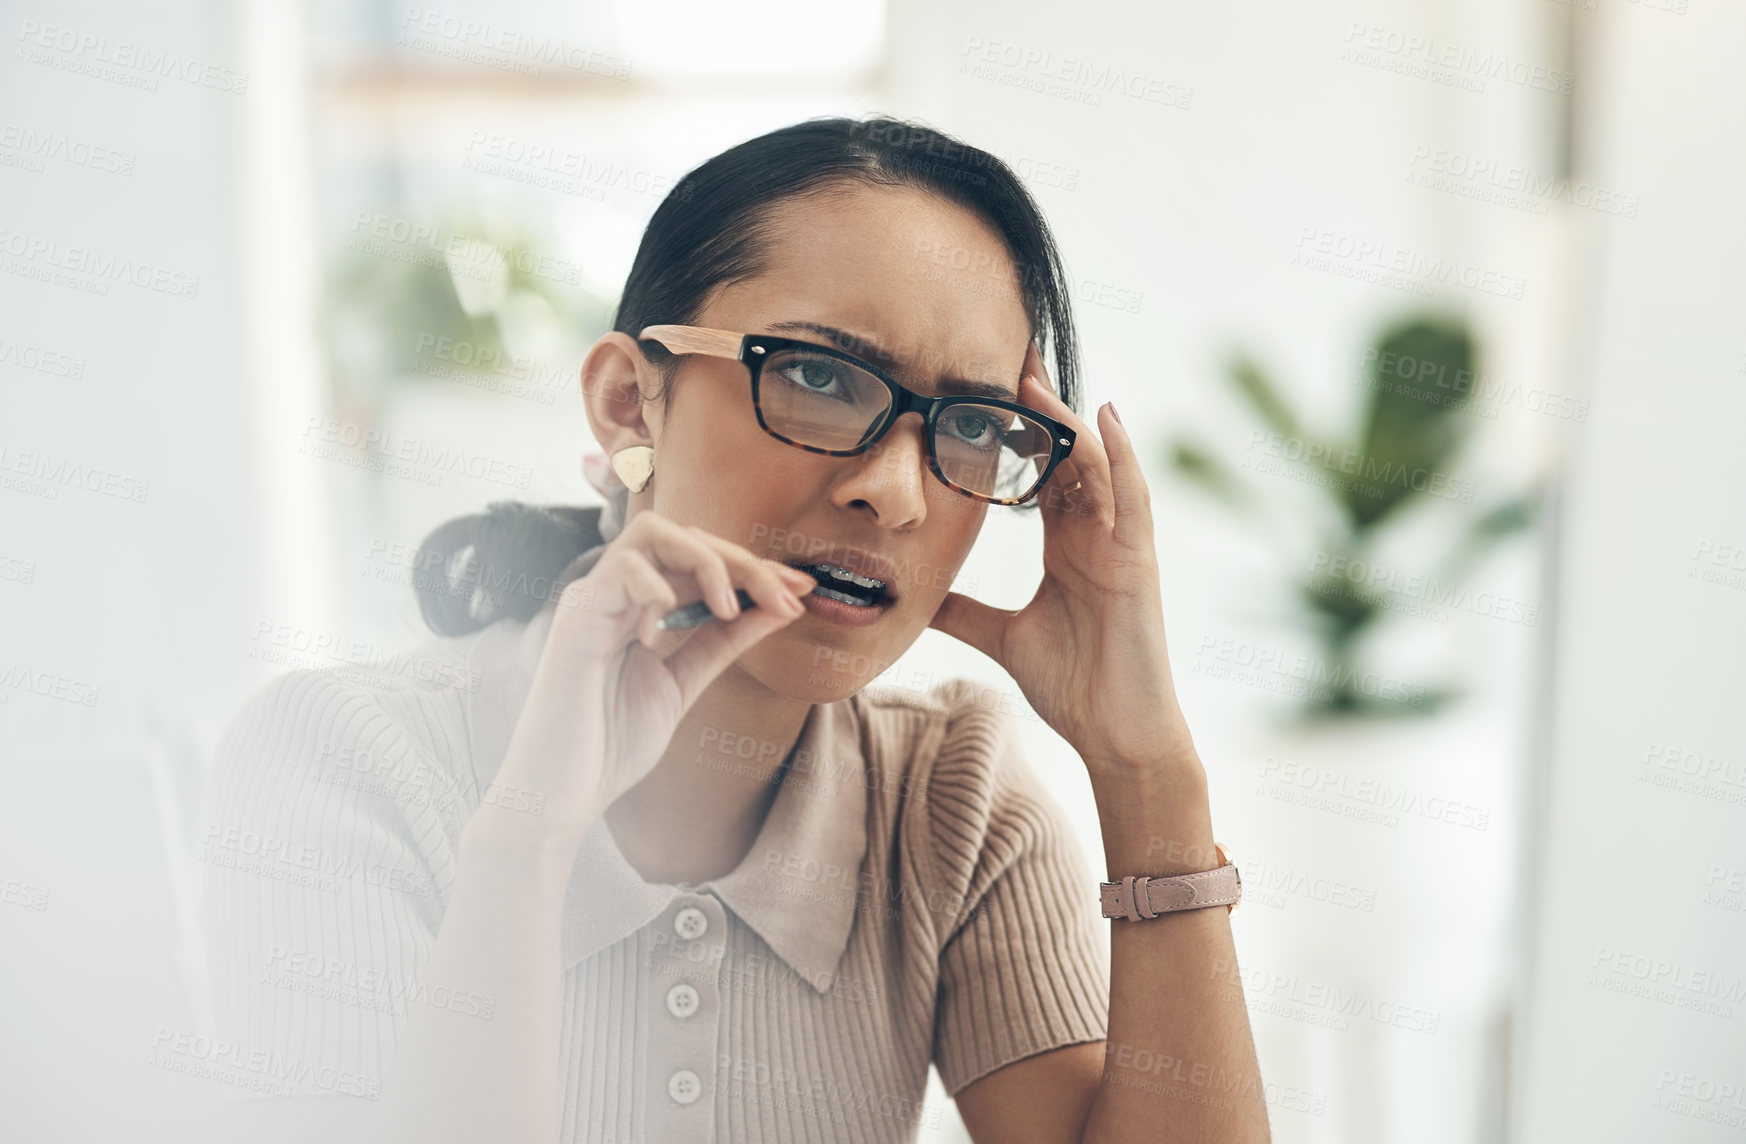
x=695, y=340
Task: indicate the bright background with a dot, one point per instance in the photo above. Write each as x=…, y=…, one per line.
x=1519, y=917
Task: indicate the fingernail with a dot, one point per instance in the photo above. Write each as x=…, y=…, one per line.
x=1116, y=413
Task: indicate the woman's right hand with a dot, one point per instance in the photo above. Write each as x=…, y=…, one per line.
x=610, y=686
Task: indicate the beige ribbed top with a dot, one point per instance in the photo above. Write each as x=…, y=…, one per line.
x=913, y=897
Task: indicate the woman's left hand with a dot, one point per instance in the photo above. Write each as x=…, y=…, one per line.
x=1088, y=650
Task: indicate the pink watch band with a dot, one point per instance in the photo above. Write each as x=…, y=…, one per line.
x=1141, y=897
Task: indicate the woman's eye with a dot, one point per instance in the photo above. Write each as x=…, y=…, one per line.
x=813, y=375
x=975, y=429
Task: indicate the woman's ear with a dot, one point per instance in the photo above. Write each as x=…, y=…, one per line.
x=612, y=392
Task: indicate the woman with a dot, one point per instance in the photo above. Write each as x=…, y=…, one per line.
x=573, y=876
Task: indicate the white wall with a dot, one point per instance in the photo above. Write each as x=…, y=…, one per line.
x=143, y=604
x=1632, y=922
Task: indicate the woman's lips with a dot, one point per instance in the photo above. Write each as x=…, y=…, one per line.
x=852, y=615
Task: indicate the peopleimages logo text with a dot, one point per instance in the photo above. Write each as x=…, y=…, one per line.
x=415, y=451
x=90, y=49
x=99, y=266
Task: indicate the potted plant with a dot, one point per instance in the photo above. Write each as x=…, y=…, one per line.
x=1398, y=459
x=1373, y=830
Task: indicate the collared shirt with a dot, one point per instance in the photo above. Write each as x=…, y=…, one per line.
x=913, y=898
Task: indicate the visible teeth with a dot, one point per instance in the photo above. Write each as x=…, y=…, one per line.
x=851, y=577
x=833, y=594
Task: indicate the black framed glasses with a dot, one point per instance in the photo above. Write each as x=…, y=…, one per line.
x=826, y=401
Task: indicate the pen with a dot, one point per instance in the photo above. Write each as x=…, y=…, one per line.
x=699, y=613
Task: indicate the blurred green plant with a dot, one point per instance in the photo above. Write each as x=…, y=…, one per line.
x=1416, y=416
x=402, y=290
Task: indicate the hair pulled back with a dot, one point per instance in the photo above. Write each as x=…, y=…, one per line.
x=710, y=231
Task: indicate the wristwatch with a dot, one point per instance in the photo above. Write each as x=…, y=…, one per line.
x=1136, y=898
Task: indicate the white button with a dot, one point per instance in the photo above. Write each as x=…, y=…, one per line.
x=681, y=1000
x=690, y=922
x=684, y=1087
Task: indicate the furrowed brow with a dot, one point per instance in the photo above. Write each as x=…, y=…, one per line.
x=871, y=351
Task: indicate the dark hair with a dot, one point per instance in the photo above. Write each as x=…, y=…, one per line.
x=711, y=230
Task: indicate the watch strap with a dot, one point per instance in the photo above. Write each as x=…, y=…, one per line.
x=1139, y=897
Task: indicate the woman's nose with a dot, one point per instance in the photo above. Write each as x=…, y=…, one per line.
x=892, y=475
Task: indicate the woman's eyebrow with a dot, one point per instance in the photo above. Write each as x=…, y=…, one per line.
x=873, y=352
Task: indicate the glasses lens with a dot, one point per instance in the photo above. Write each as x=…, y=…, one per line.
x=990, y=450
x=818, y=400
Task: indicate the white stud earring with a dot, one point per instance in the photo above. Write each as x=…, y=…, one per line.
x=634, y=466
